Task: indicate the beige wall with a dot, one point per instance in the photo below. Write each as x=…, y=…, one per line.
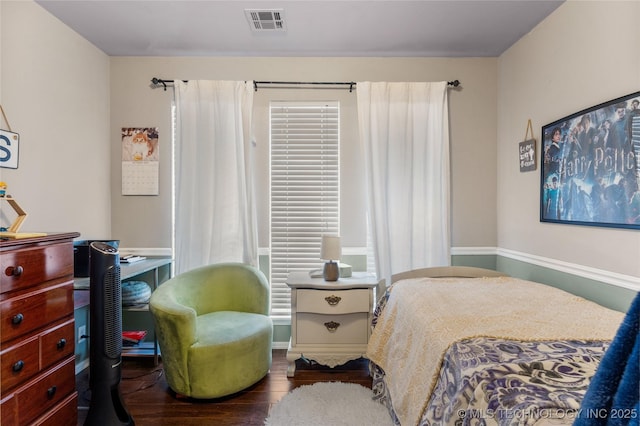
x=145, y=221
x=584, y=54
x=54, y=88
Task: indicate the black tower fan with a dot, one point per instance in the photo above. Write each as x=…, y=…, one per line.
x=105, y=338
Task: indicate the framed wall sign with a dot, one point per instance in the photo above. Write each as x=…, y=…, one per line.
x=9, y=146
x=527, y=155
x=590, y=172
x=527, y=151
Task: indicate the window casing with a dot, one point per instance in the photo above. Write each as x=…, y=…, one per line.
x=305, y=190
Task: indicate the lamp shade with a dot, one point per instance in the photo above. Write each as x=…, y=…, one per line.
x=331, y=249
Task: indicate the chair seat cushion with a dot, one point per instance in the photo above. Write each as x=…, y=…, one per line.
x=219, y=328
x=232, y=352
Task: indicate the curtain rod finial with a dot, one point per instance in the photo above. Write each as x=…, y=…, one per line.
x=157, y=81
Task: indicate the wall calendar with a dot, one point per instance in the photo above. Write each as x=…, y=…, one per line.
x=140, y=161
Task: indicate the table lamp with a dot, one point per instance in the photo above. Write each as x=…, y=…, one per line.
x=330, y=251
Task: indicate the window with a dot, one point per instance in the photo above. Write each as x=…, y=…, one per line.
x=305, y=189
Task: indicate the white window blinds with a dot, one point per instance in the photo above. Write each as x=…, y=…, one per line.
x=305, y=182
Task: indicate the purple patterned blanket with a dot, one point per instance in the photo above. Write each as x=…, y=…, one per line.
x=494, y=381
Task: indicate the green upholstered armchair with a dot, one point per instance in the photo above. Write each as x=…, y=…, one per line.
x=214, y=329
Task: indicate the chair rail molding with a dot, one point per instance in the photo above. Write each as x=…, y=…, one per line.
x=473, y=251
x=608, y=277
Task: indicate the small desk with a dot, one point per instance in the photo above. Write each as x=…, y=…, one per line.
x=330, y=320
x=128, y=271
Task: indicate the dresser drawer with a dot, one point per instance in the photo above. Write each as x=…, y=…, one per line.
x=64, y=414
x=46, y=391
x=19, y=363
x=328, y=329
x=332, y=302
x=33, y=310
x=28, y=267
x=57, y=343
x=9, y=411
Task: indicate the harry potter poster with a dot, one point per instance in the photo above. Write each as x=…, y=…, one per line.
x=591, y=166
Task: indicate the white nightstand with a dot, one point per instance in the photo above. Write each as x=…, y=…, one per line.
x=330, y=321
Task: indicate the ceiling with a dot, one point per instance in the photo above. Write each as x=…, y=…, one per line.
x=427, y=28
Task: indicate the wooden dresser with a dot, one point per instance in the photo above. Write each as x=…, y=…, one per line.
x=37, y=333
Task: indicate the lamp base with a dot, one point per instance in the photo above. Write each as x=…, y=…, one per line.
x=331, y=272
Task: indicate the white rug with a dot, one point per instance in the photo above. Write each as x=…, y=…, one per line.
x=329, y=404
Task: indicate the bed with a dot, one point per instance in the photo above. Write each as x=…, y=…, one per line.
x=470, y=346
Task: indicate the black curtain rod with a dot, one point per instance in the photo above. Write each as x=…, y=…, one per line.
x=350, y=84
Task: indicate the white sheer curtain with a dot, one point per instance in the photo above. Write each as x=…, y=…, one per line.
x=215, y=213
x=404, y=131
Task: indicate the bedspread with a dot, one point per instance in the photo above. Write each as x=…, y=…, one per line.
x=424, y=317
x=486, y=380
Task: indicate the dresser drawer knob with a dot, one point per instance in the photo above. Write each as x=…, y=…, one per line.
x=18, y=366
x=52, y=391
x=61, y=343
x=333, y=300
x=17, y=319
x=332, y=326
x=14, y=271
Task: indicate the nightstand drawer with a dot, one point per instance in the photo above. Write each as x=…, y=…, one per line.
x=333, y=302
x=328, y=329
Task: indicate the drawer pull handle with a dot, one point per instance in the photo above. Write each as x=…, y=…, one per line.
x=333, y=300
x=52, y=391
x=18, y=366
x=17, y=319
x=14, y=271
x=61, y=343
x=332, y=326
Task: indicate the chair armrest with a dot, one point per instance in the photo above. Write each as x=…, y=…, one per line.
x=175, y=326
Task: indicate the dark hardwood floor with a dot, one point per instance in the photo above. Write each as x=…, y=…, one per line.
x=150, y=401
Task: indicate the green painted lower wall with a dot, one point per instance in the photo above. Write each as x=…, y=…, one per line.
x=487, y=261
x=605, y=294
x=281, y=335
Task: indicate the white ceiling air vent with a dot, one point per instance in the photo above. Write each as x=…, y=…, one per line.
x=262, y=20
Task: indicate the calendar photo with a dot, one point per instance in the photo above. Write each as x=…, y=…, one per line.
x=140, y=161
